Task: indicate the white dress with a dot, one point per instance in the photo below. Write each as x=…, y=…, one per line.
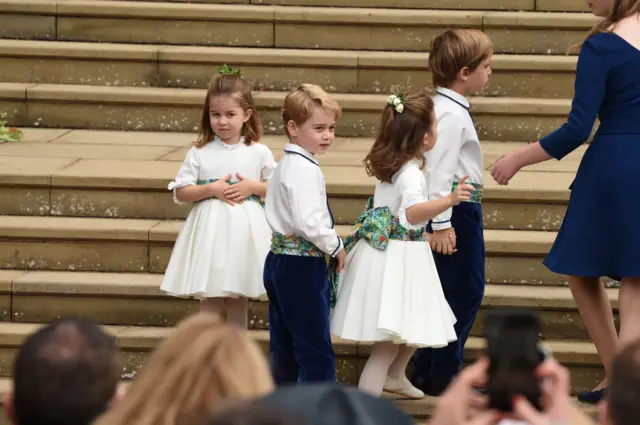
x=394, y=294
x=221, y=249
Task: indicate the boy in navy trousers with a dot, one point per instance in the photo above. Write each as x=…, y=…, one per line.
x=295, y=272
x=460, y=62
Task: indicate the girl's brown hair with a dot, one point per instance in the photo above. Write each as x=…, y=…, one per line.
x=619, y=10
x=400, y=136
x=230, y=85
x=203, y=364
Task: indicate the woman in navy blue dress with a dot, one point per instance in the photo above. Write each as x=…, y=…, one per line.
x=600, y=234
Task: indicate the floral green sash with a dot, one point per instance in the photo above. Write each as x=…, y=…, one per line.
x=377, y=226
x=476, y=196
x=253, y=198
x=293, y=245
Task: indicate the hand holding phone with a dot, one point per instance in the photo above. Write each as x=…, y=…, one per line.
x=514, y=355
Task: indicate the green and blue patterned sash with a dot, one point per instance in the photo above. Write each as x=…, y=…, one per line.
x=253, y=198
x=293, y=245
x=377, y=226
x=476, y=196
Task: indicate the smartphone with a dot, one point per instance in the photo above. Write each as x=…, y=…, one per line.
x=513, y=348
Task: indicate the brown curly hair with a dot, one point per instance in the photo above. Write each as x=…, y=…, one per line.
x=400, y=136
x=226, y=84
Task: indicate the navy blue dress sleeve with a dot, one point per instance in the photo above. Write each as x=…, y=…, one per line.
x=591, y=80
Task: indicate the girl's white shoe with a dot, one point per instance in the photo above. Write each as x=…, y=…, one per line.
x=403, y=387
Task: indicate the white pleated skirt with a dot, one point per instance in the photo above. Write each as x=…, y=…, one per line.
x=220, y=252
x=392, y=295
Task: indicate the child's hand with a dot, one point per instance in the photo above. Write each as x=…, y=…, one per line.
x=340, y=260
x=443, y=241
x=240, y=191
x=217, y=189
x=462, y=192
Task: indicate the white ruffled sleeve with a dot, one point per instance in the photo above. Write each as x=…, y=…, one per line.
x=410, y=186
x=187, y=175
x=268, y=164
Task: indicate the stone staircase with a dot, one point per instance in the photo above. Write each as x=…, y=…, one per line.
x=109, y=94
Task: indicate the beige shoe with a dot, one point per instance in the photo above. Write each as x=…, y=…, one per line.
x=402, y=387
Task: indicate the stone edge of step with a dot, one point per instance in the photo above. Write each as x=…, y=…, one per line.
x=353, y=102
x=499, y=242
x=146, y=286
x=139, y=338
x=302, y=14
x=355, y=59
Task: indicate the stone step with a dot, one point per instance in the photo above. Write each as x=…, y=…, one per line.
x=136, y=344
x=284, y=26
x=125, y=175
x=105, y=64
x=137, y=246
x=174, y=109
x=522, y=5
x=134, y=299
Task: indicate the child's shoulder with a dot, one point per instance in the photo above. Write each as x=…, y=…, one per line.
x=260, y=147
x=445, y=107
x=409, y=174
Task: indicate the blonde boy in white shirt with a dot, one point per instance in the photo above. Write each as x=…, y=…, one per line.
x=295, y=273
x=460, y=62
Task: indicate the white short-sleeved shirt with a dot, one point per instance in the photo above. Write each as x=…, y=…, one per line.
x=217, y=159
x=296, y=201
x=457, y=153
x=408, y=188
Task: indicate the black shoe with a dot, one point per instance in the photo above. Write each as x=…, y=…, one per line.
x=592, y=397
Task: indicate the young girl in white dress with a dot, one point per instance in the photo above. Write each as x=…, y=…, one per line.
x=220, y=252
x=389, y=292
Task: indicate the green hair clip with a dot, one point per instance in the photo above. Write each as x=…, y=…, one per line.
x=227, y=70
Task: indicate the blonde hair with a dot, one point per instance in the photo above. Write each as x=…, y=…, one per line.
x=400, y=135
x=203, y=364
x=230, y=85
x=299, y=103
x=456, y=49
x=619, y=10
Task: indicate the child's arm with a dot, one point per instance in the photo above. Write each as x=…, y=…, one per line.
x=185, y=186
x=310, y=212
x=199, y=192
x=426, y=210
x=442, y=162
x=245, y=187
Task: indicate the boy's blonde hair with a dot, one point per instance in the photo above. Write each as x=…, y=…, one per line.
x=456, y=49
x=204, y=364
x=299, y=103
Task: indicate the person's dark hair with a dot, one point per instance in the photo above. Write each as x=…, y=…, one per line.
x=250, y=413
x=66, y=373
x=623, y=395
x=400, y=135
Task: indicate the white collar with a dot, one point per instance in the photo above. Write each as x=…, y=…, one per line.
x=217, y=139
x=297, y=149
x=456, y=97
